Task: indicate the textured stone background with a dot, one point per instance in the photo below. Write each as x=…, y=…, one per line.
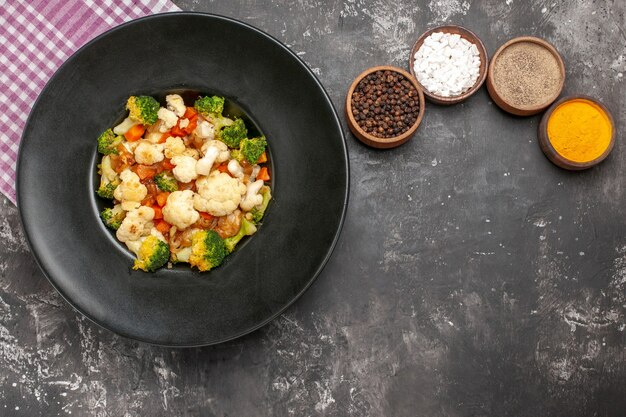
x=473, y=278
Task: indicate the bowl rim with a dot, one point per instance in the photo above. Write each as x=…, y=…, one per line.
x=524, y=110
x=471, y=37
x=558, y=159
x=375, y=141
x=100, y=323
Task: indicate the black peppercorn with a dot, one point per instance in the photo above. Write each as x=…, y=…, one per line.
x=384, y=104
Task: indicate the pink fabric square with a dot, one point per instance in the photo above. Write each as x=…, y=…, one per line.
x=36, y=37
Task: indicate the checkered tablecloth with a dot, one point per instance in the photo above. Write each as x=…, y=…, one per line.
x=36, y=37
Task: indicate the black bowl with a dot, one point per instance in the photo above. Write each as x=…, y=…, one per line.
x=59, y=210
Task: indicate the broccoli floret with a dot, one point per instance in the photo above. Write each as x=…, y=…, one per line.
x=250, y=150
x=108, y=141
x=107, y=188
x=165, y=182
x=207, y=250
x=144, y=109
x=232, y=135
x=247, y=228
x=153, y=254
x=209, y=106
x=219, y=124
x=113, y=217
x=259, y=212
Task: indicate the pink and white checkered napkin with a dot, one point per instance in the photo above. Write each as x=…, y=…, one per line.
x=36, y=37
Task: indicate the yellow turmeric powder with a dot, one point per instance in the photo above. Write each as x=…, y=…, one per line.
x=579, y=130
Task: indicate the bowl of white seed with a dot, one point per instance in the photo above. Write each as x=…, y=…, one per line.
x=450, y=63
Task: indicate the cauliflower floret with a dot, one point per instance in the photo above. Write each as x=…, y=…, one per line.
x=235, y=169
x=130, y=205
x=176, y=104
x=252, y=198
x=131, y=189
x=125, y=126
x=218, y=194
x=182, y=255
x=147, y=153
x=204, y=130
x=135, y=245
x=183, y=123
x=224, y=153
x=107, y=170
x=179, y=209
x=131, y=146
x=174, y=146
x=214, y=151
x=203, y=167
x=255, y=172
x=169, y=119
x=153, y=137
x=185, y=169
x=156, y=233
x=137, y=223
x=191, y=152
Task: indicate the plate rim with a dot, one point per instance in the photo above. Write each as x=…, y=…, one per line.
x=319, y=268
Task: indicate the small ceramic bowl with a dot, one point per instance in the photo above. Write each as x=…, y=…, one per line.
x=467, y=35
x=553, y=155
x=510, y=107
x=375, y=141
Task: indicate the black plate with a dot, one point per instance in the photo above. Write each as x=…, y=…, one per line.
x=59, y=210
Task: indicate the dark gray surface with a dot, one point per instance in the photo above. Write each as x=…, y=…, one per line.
x=472, y=278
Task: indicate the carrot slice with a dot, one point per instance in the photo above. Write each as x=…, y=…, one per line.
x=161, y=198
x=262, y=158
x=163, y=226
x=158, y=212
x=206, y=216
x=263, y=174
x=164, y=137
x=148, y=201
x=177, y=131
x=144, y=171
x=193, y=122
x=168, y=165
x=135, y=133
x=223, y=168
x=191, y=185
x=190, y=112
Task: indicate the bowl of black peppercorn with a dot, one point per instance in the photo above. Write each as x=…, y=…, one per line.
x=384, y=107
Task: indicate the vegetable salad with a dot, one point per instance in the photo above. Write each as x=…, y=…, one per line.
x=186, y=183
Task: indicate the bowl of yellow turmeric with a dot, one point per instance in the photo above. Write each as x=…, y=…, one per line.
x=577, y=132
